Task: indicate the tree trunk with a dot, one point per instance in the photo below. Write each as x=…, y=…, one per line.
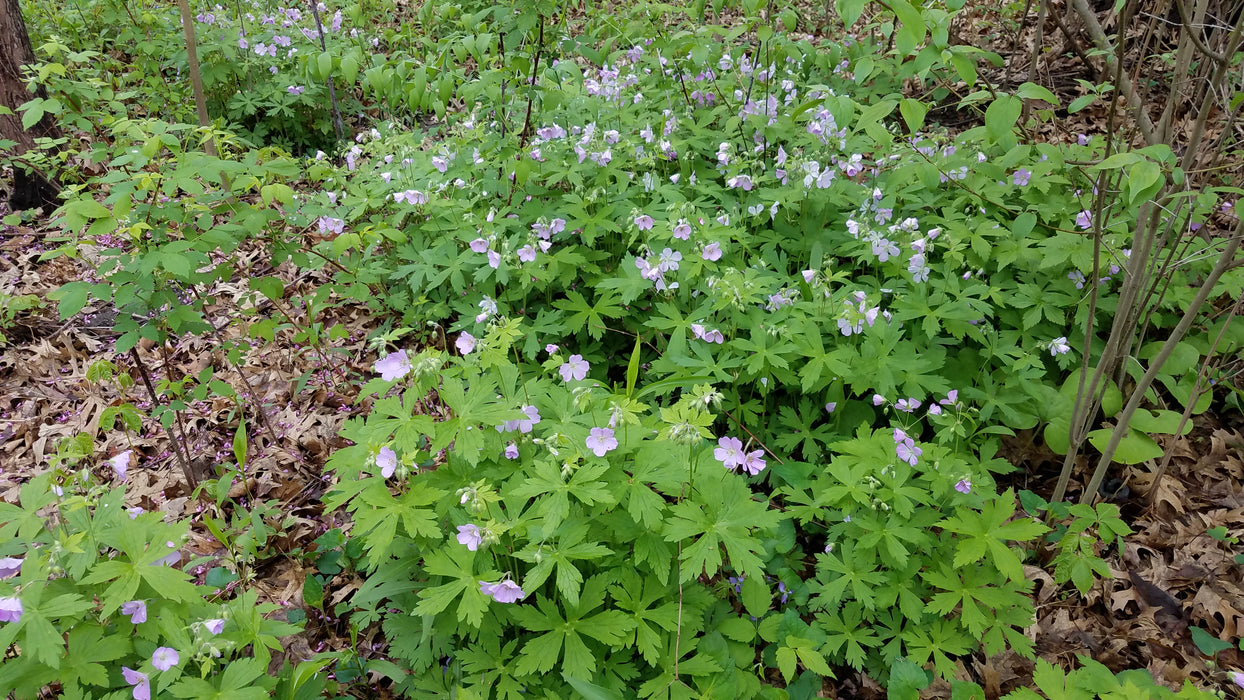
x=31, y=188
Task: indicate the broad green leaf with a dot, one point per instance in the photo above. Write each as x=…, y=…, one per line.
x=1032, y=91
x=1134, y=448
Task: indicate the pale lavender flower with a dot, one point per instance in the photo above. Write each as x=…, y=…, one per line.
x=386, y=460
x=479, y=245
x=393, y=366
x=878, y=399
x=10, y=609
x=503, y=591
x=1059, y=346
x=295, y=90
x=136, y=609
x=10, y=567
x=964, y=486
x=465, y=343
x=140, y=681
x=527, y=254
x=121, y=463
x=829, y=407
x=214, y=626
x=575, y=368
x=644, y=222
x=683, y=230
x=668, y=260
x=712, y=252
x=1085, y=219
x=601, y=441
x=470, y=536
x=907, y=405
x=1021, y=177
x=440, y=163
x=511, y=451
x=729, y=452
x=754, y=462
x=165, y=658
x=494, y=259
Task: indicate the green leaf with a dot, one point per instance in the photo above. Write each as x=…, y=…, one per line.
x=1143, y=181
x=756, y=596
x=1001, y=117
x=1208, y=643
x=1080, y=103
x=632, y=367
x=313, y=592
x=324, y=64
x=591, y=691
x=239, y=444
x=1134, y=448
x=850, y=10
x=1032, y=91
x=906, y=680
x=33, y=112
x=913, y=112
x=1162, y=422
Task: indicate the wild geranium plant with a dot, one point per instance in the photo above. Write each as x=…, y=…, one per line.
x=719, y=338
x=93, y=596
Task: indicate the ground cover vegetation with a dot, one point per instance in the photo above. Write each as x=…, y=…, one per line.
x=696, y=347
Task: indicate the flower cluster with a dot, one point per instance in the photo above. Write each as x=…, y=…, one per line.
x=731, y=454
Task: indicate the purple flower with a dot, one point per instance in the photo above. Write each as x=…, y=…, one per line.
x=511, y=451
x=907, y=405
x=1083, y=140
x=878, y=399
x=829, y=407
x=502, y=591
x=440, y=163
x=575, y=368
x=712, y=252
x=1021, y=177
x=1059, y=346
x=479, y=245
x=295, y=90
x=964, y=486
x=905, y=447
x=601, y=441
x=135, y=512
x=470, y=537
x=10, y=609
x=165, y=658
x=393, y=366
x=386, y=459
x=729, y=452
x=494, y=259
x=754, y=463
x=214, y=626
x=644, y=222
x=1085, y=220
x=121, y=463
x=136, y=609
x=533, y=417
x=683, y=230
x=465, y=343
x=142, y=684
x=10, y=567
x=526, y=254
x=908, y=452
